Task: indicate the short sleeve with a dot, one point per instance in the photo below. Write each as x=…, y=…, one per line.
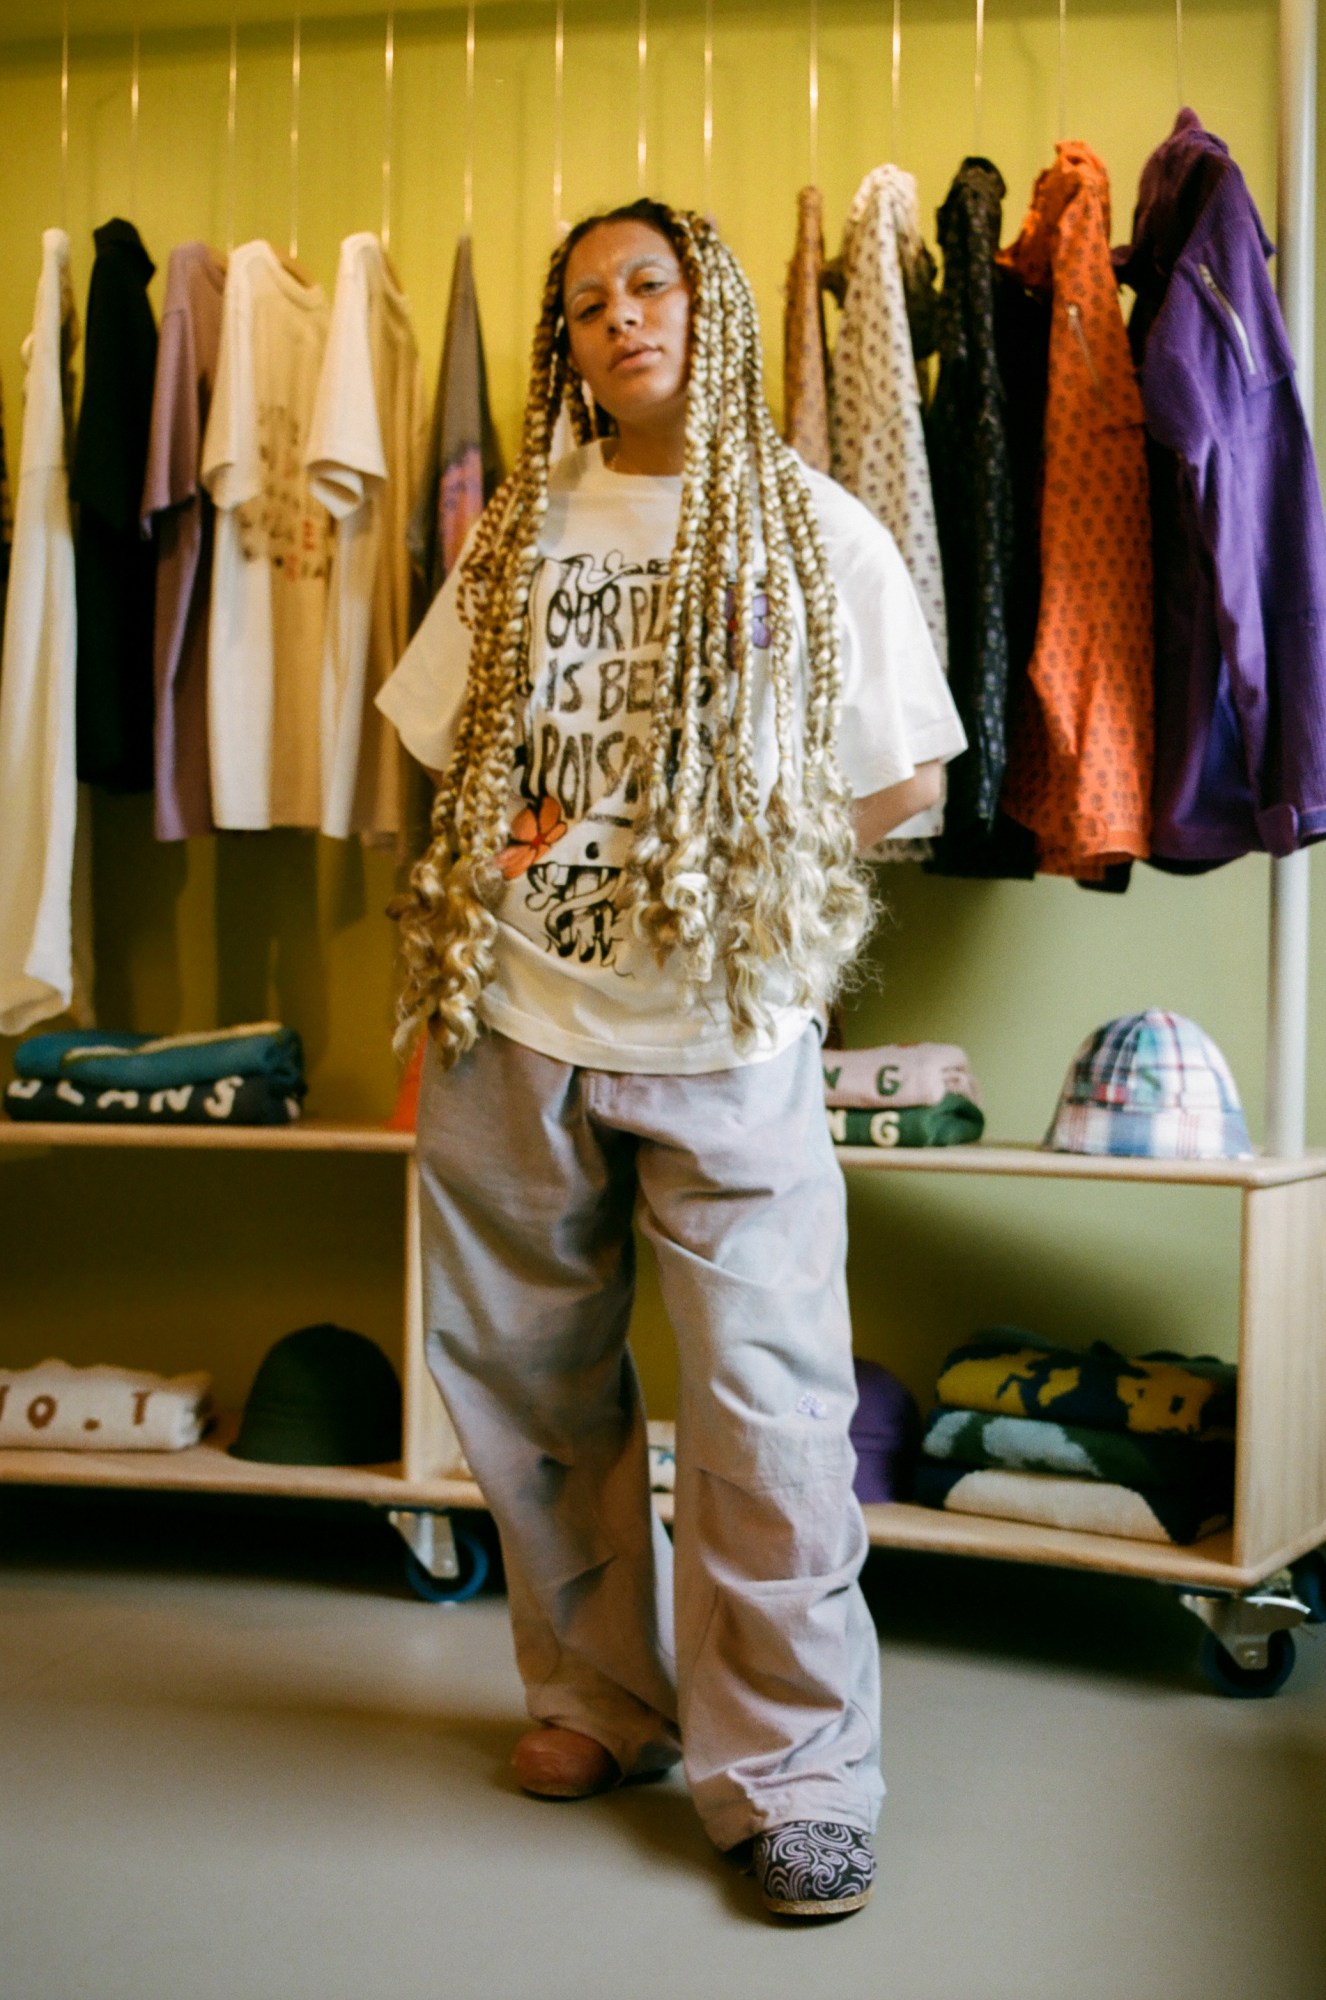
x=345, y=455
x=897, y=710
x=424, y=696
x=230, y=469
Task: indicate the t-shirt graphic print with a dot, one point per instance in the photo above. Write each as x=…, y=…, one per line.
x=571, y=977
x=579, y=767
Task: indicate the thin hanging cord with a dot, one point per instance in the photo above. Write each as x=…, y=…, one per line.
x=133, y=129
x=64, y=118
x=708, y=106
x=895, y=146
x=1178, y=51
x=642, y=124
x=232, y=96
x=559, y=57
x=296, y=65
x=388, y=85
x=1063, y=69
x=469, y=117
x=813, y=93
x=978, y=81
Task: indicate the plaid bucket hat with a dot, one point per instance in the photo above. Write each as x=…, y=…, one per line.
x=1151, y=1084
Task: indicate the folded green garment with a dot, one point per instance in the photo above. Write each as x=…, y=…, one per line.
x=1092, y=1506
x=119, y=1061
x=1034, y=1444
x=954, y=1121
x=230, y=1100
x=1005, y=1373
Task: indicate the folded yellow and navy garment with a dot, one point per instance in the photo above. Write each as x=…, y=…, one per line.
x=1096, y=1507
x=1005, y=1372
x=953, y=1121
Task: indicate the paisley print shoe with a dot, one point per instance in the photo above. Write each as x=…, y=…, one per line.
x=814, y=1868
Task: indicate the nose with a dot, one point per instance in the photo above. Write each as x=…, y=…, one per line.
x=623, y=314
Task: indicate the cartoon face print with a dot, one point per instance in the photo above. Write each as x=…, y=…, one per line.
x=579, y=909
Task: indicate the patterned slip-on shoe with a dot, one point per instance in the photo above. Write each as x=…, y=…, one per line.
x=814, y=1868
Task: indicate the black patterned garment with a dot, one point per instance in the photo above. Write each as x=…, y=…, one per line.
x=972, y=474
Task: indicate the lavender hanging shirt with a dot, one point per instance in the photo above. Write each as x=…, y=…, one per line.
x=176, y=504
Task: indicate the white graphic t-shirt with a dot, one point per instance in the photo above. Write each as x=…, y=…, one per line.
x=273, y=549
x=571, y=980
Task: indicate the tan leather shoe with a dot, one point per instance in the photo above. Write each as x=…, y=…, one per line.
x=556, y=1763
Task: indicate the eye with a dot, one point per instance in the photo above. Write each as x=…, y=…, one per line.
x=582, y=313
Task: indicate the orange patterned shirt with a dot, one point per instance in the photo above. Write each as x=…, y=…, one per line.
x=1080, y=754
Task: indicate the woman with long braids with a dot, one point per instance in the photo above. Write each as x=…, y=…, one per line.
x=675, y=683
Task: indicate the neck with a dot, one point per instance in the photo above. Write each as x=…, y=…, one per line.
x=658, y=453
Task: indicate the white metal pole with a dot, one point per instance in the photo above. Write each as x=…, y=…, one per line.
x=1287, y=971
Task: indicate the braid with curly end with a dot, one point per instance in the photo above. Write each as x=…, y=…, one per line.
x=715, y=877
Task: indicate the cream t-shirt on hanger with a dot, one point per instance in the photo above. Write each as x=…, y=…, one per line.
x=273, y=549
x=365, y=459
x=570, y=979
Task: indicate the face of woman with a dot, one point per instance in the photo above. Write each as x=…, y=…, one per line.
x=628, y=316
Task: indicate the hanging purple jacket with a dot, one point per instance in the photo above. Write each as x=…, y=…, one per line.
x=1239, y=538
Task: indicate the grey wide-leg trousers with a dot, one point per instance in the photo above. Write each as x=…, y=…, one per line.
x=531, y=1172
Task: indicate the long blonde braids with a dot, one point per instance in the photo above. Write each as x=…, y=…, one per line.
x=718, y=878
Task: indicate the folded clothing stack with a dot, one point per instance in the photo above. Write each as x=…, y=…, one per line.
x=251, y=1075
x=1096, y=1441
x=902, y=1094
x=54, y=1407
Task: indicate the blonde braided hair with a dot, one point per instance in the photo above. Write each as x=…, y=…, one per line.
x=716, y=877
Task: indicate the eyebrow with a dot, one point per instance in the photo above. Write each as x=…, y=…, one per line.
x=636, y=264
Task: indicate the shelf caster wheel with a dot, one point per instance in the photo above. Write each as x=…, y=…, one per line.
x=444, y=1563
x=1310, y=1585
x=473, y=1565
x=1248, y=1683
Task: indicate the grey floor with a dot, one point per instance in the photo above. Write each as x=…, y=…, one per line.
x=239, y=1762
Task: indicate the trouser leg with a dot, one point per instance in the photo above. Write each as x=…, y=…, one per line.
x=528, y=1280
x=778, y=1660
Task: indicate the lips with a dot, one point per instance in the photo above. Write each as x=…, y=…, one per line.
x=632, y=354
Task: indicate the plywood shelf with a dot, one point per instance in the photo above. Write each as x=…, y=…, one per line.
x=1030, y=1162
x=310, y=1135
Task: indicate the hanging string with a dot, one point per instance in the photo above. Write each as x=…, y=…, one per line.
x=469, y=118
x=708, y=106
x=1178, y=51
x=1063, y=69
x=133, y=129
x=813, y=93
x=895, y=146
x=978, y=82
x=232, y=95
x=296, y=64
x=64, y=118
x=388, y=86
x=642, y=126
x=559, y=52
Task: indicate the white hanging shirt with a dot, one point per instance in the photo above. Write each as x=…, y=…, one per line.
x=44, y=924
x=571, y=980
x=878, y=434
x=365, y=459
x=273, y=549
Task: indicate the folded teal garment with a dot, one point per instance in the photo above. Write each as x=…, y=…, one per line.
x=144, y=1062
x=1035, y=1444
x=954, y=1121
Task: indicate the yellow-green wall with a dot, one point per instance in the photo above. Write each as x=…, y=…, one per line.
x=193, y=1262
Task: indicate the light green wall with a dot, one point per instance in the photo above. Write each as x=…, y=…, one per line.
x=204, y=1262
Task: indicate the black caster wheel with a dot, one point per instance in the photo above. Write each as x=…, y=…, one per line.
x=1248, y=1683
x=474, y=1566
x=1310, y=1583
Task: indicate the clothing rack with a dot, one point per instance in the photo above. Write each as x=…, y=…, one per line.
x=1231, y=1580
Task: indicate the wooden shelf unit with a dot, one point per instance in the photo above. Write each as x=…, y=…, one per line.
x=1280, y=1506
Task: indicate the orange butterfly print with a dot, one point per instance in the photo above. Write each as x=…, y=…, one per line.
x=532, y=834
